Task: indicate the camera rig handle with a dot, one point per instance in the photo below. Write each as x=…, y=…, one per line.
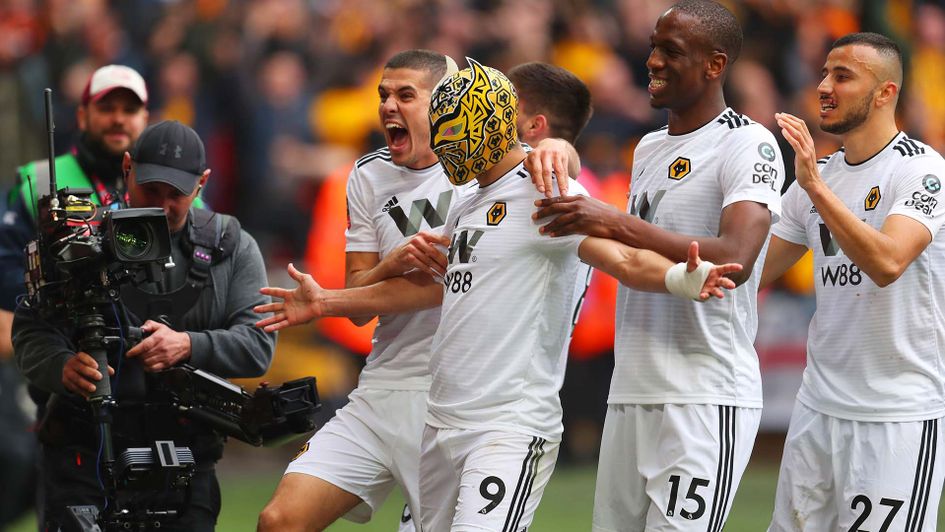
x=270, y=416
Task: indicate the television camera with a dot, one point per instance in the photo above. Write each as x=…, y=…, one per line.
x=81, y=257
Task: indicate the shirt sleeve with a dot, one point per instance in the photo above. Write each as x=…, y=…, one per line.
x=919, y=193
x=791, y=225
x=229, y=344
x=753, y=170
x=40, y=350
x=16, y=229
x=360, y=234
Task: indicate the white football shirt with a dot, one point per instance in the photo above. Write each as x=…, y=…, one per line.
x=509, y=296
x=388, y=205
x=670, y=350
x=875, y=354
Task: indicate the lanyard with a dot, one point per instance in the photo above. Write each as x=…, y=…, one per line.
x=109, y=200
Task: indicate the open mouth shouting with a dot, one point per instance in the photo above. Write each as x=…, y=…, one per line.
x=397, y=136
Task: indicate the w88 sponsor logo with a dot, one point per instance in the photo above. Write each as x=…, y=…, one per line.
x=458, y=282
x=842, y=275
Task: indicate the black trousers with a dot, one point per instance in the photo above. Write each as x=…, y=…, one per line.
x=69, y=477
x=18, y=449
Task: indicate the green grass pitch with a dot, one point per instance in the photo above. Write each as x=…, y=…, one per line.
x=565, y=507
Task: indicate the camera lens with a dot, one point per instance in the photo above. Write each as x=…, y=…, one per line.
x=132, y=240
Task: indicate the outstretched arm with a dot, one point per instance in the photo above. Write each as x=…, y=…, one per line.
x=647, y=271
x=781, y=256
x=419, y=253
x=883, y=255
x=308, y=301
x=743, y=228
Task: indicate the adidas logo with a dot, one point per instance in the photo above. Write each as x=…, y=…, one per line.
x=733, y=120
x=813, y=210
x=391, y=203
x=908, y=147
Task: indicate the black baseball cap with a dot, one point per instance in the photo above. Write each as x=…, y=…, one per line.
x=169, y=152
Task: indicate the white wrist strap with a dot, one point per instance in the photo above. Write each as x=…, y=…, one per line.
x=687, y=285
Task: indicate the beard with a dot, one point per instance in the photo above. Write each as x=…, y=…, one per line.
x=96, y=141
x=853, y=119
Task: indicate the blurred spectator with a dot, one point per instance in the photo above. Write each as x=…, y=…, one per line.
x=21, y=36
x=281, y=90
x=752, y=91
x=927, y=76
x=279, y=110
x=177, y=85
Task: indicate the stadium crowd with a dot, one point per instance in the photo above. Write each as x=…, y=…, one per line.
x=282, y=90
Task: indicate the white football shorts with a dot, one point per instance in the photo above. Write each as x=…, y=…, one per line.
x=476, y=480
x=671, y=467
x=369, y=446
x=838, y=474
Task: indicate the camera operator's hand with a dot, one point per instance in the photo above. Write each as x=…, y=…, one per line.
x=297, y=306
x=80, y=373
x=162, y=348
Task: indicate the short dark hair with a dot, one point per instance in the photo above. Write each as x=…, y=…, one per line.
x=433, y=63
x=882, y=44
x=556, y=93
x=719, y=25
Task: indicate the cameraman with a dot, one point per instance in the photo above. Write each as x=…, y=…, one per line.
x=206, y=298
x=110, y=117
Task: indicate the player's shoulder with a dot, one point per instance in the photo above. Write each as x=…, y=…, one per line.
x=910, y=154
x=735, y=121
x=736, y=127
x=521, y=180
x=518, y=183
x=372, y=170
x=653, y=136
x=909, y=148
x=575, y=188
x=377, y=159
x=831, y=158
x=794, y=192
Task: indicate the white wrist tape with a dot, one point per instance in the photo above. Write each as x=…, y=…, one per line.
x=684, y=284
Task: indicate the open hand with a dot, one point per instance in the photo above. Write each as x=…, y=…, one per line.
x=298, y=306
x=795, y=131
x=716, y=280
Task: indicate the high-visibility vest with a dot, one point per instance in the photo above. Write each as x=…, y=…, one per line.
x=33, y=180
